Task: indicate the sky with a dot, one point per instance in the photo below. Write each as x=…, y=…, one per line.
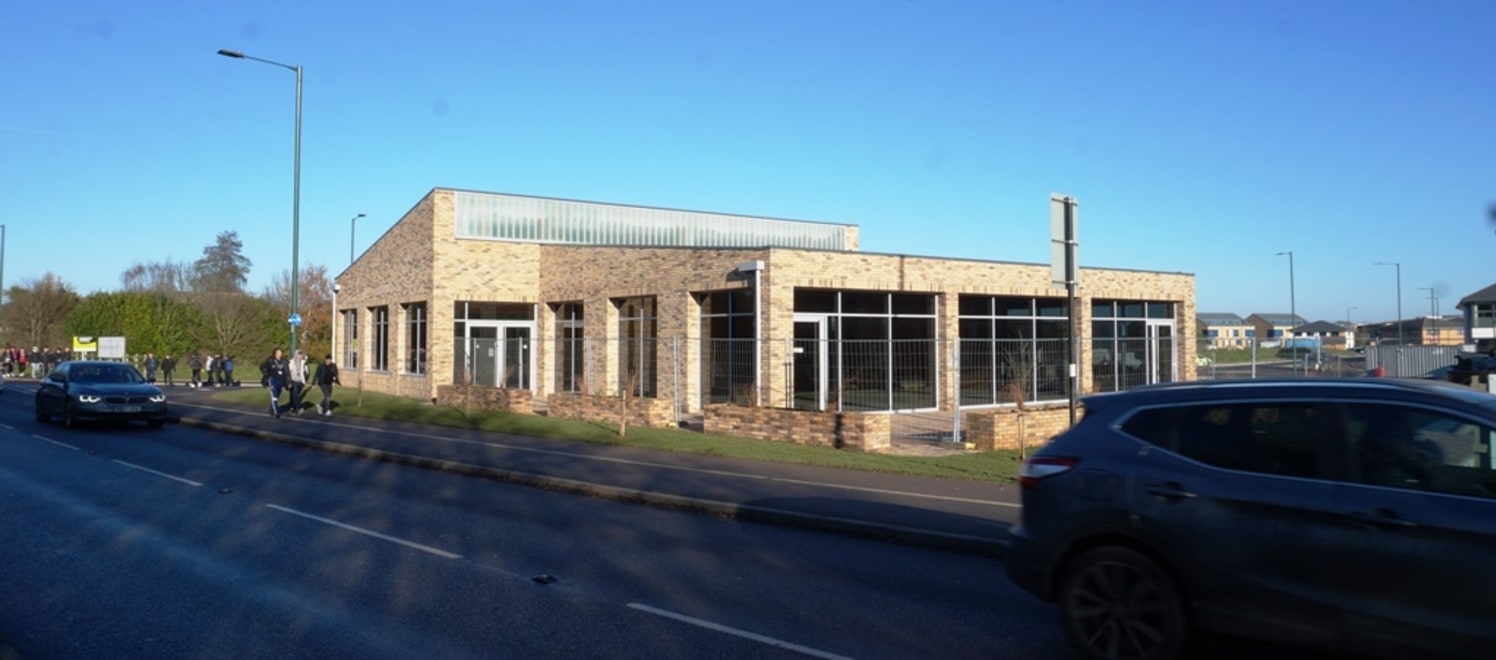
x=1198, y=137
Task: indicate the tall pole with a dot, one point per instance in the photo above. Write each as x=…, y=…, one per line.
x=1398, y=266
x=1293, y=309
x=295, y=317
x=352, y=225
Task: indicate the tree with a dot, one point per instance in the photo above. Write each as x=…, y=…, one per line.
x=167, y=277
x=236, y=324
x=37, y=310
x=149, y=322
x=223, y=267
x=316, y=306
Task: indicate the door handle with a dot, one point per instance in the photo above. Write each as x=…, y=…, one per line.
x=1385, y=518
x=1169, y=490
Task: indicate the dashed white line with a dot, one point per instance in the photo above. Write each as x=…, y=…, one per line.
x=366, y=532
x=805, y=650
x=59, y=444
x=143, y=468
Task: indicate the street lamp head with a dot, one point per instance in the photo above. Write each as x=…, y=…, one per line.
x=336, y=287
x=361, y=215
x=230, y=53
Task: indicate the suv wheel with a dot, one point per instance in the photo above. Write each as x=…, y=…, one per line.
x=1117, y=604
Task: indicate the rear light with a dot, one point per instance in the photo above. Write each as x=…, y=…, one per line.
x=1039, y=467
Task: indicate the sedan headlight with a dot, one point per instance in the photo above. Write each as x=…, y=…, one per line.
x=89, y=398
x=158, y=398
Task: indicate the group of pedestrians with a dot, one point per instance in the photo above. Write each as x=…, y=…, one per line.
x=16, y=361
x=279, y=374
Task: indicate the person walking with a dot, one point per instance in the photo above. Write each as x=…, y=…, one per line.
x=298, y=374
x=168, y=365
x=327, y=376
x=274, y=371
x=208, y=369
x=150, y=368
x=195, y=365
x=228, y=371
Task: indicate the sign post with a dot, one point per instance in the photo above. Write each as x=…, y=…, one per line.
x=1063, y=271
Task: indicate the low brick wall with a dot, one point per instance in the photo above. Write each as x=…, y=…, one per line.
x=642, y=411
x=999, y=428
x=486, y=398
x=849, y=430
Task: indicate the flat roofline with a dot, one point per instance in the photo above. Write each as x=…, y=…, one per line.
x=773, y=248
x=645, y=207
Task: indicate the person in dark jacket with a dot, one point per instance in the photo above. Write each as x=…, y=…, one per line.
x=274, y=371
x=168, y=365
x=326, y=377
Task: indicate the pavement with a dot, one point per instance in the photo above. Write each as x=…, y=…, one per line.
x=950, y=514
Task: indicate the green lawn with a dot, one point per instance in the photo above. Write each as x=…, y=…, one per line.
x=987, y=466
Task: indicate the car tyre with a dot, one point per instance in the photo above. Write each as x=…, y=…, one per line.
x=1117, y=603
x=41, y=414
x=69, y=418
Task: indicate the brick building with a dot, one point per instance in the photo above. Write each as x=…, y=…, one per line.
x=551, y=295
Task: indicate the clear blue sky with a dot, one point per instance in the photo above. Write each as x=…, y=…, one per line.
x=1199, y=137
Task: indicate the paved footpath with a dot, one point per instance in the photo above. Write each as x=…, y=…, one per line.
x=953, y=514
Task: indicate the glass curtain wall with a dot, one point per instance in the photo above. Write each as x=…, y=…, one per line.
x=637, y=328
x=1132, y=343
x=570, y=345
x=1013, y=349
x=727, y=346
x=884, y=348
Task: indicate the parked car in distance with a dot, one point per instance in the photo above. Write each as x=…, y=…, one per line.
x=97, y=390
x=1339, y=515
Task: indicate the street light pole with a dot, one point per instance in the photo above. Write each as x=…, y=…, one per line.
x=1293, y=311
x=1433, y=309
x=1398, y=266
x=352, y=224
x=295, y=195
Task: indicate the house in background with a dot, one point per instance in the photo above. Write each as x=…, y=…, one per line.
x=1223, y=330
x=1325, y=334
x=1417, y=331
x=1479, y=310
x=1274, y=326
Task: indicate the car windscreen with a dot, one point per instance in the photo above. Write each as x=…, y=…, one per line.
x=105, y=373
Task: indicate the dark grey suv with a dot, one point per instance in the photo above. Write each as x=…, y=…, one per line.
x=1353, y=516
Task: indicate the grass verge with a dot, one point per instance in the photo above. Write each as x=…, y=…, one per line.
x=984, y=466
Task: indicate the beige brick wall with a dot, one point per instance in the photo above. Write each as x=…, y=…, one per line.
x=1006, y=428
x=419, y=259
x=869, y=432
x=640, y=411
x=486, y=398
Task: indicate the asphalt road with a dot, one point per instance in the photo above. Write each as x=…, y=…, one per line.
x=184, y=542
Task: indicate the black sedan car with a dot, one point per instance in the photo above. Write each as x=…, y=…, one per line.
x=89, y=390
x=1350, y=516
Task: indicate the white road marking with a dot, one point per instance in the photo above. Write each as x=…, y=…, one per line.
x=59, y=444
x=366, y=532
x=143, y=468
x=722, y=473
x=805, y=650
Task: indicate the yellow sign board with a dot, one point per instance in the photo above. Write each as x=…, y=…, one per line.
x=85, y=344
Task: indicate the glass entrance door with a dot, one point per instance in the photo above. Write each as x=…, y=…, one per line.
x=482, y=344
x=501, y=354
x=517, y=354
x=810, y=363
x=1161, y=352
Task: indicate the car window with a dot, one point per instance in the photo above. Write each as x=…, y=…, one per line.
x=1285, y=439
x=1419, y=449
